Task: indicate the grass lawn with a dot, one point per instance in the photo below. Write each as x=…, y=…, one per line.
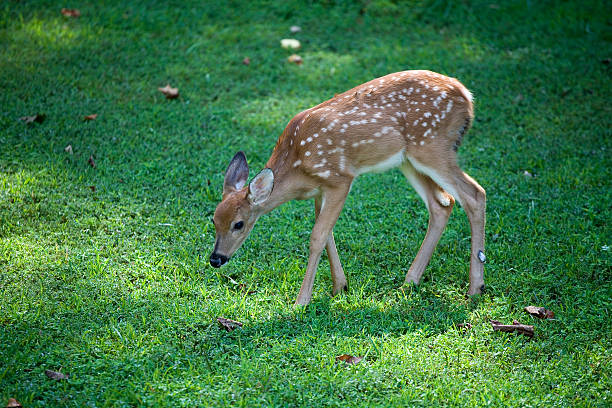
x=104, y=270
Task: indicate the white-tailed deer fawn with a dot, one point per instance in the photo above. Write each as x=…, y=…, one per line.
x=413, y=120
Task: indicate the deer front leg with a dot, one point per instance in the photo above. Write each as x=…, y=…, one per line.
x=337, y=273
x=331, y=204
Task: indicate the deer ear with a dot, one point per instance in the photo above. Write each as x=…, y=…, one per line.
x=261, y=187
x=236, y=174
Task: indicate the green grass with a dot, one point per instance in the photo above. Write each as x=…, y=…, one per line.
x=98, y=285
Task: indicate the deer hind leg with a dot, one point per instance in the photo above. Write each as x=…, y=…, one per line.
x=337, y=273
x=472, y=198
x=439, y=204
x=331, y=206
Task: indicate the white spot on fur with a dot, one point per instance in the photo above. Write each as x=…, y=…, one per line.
x=449, y=106
x=307, y=154
x=324, y=174
x=297, y=163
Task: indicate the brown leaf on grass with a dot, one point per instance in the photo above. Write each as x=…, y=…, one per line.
x=13, y=403
x=91, y=161
x=228, y=324
x=93, y=116
x=92, y=188
x=74, y=13
x=56, y=375
x=514, y=327
x=348, y=359
x=295, y=59
x=68, y=149
x=540, y=312
x=38, y=118
x=246, y=61
x=170, y=92
x=243, y=287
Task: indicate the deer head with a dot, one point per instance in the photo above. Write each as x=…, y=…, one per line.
x=240, y=207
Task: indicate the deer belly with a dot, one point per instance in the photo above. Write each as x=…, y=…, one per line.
x=387, y=163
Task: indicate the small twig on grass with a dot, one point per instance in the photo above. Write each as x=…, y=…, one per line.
x=514, y=327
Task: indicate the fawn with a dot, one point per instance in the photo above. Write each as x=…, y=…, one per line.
x=413, y=120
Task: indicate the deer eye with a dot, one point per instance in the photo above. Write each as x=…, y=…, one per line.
x=238, y=225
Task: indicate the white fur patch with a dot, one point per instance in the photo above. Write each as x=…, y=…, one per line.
x=389, y=163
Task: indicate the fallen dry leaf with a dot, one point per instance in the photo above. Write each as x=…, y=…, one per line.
x=92, y=188
x=295, y=29
x=290, y=44
x=38, y=118
x=540, y=312
x=91, y=162
x=68, y=149
x=170, y=92
x=13, y=403
x=296, y=59
x=514, y=327
x=71, y=12
x=348, y=359
x=228, y=324
x=243, y=287
x=246, y=61
x=93, y=116
x=56, y=375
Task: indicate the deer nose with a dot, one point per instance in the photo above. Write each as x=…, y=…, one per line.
x=217, y=260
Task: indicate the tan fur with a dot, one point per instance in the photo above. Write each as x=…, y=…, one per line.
x=411, y=119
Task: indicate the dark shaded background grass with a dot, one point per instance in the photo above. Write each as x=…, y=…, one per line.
x=98, y=285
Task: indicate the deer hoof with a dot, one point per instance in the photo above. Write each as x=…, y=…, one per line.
x=339, y=289
x=477, y=290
